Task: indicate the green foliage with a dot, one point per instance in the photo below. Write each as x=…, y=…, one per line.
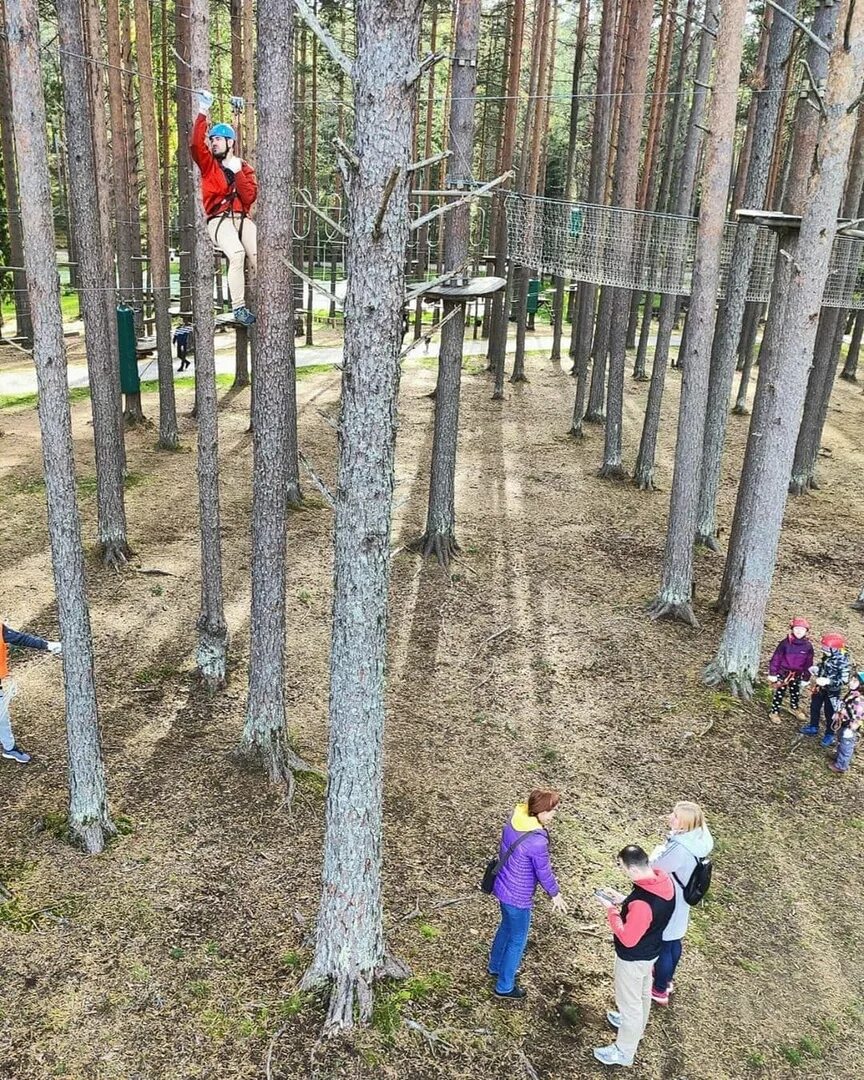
x=792, y=1054
x=309, y=371
x=15, y=916
x=291, y=959
x=756, y=1059
x=387, y=1011
x=176, y=953
x=429, y=932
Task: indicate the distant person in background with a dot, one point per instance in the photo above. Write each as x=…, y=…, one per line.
x=527, y=866
x=183, y=340
x=847, y=724
x=637, y=922
x=689, y=839
x=8, y=636
x=790, y=666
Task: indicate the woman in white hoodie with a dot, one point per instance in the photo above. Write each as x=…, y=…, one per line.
x=689, y=840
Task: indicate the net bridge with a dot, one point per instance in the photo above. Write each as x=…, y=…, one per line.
x=648, y=252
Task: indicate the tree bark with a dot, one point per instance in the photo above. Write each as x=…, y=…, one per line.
x=796, y=299
x=186, y=195
x=439, y=536
x=730, y=317
x=122, y=196
x=643, y=476
x=829, y=342
x=89, y=820
x=676, y=585
x=850, y=368
x=23, y=322
x=626, y=179
x=102, y=363
x=265, y=735
x=586, y=297
x=157, y=242
x=241, y=337
x=212, y=631
x=805, y=145
x=349, y=947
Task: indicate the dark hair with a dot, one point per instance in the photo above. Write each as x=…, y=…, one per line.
x=633, y=855
x=541, y=800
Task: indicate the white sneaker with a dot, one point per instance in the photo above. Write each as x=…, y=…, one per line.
x=611, y=1055
x=614, y=1018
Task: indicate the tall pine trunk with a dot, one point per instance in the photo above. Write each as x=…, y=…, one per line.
x=89, y=821
x=119, y=156
x=157, y=242
x=212, y=631
x=439, y=537
x=674, y=598
x=102, y=364
x=782, y=384
x=349, y=947
x=730, y=317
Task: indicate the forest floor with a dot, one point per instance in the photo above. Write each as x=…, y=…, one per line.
x=177, y=955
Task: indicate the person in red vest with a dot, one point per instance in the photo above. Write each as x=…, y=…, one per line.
x=228, y=191
x=8, y=637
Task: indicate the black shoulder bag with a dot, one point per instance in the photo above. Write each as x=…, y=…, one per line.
x=493, y=867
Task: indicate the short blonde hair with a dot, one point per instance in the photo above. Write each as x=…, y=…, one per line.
x=689, y=815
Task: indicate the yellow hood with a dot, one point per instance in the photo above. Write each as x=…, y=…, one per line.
x=522, y=821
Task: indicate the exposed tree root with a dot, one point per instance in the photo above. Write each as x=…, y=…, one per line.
x=294, y=494
x=800, y=485
x=210, y=659
x=641, y=377
x=707, y=541
x=644, y=480
x=739, y=684
x=613, y=472
x=518, y=378
x=497, y=395
x=168, y=442
x=576, y=431
x=858, y=605
x=594, y=417
x=852, y=377
x=92, y=835
x=115, y=554
x=671, y=609
x=442, y=545
x=740, y=410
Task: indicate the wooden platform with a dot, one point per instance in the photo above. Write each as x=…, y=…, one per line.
x=476, y=287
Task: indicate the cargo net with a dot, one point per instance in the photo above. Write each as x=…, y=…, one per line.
x=633, y=249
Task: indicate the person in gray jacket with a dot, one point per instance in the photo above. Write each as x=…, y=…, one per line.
x=689, y=840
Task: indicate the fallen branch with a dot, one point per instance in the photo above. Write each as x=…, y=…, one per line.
x=316, y=479
x=486, y=679
x=469, y=197
x=433, y=1039
x=268, y=1062
x=490, y=639
x=455, y=900
x=324, y=37
x=311, y=282
x=153, y=573
x=385, y=202
x=327, y=419
x=530, y=1071
x=320, y=213
x=346, y=152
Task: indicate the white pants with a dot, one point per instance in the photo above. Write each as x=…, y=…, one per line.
x=237, y=244
x=7, y=739
x=633, y=998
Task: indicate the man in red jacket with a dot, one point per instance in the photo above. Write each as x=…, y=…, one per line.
x=637, y=922
x=228, y=190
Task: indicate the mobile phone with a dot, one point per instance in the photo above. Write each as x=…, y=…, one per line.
x=603, y=894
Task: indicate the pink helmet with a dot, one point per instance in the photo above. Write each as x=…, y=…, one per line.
x=833, y=641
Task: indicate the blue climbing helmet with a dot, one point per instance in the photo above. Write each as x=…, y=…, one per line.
x=224, y=131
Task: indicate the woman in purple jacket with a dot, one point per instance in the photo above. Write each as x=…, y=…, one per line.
x=527, y=866
x=790, y=666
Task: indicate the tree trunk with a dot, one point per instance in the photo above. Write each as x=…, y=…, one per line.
x=439, y=536
x=212, y=631
x=89, y=821
x=796, y=299
x=102, y=363
x=626, y=179
x=186, y=195
x=805, y=145
x=122, y=198
x=829, y=342
x=157, y=242
x=586, y=297
x=676, y=585
x=859, y=603
x=426, y=182
x=349, y=947
x=643, y=476
x=730, y=317
x=265, y=737
x=241, y=337
x=569, y=178
x=850, y=368
x=23, y=322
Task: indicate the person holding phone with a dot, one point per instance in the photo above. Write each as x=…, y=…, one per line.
x=637, y=922
x=526, y=866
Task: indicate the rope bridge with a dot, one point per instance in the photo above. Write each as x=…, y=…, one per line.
x=634, y=249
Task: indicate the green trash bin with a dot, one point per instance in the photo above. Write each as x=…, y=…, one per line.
x=130, y=383
x=532, y=302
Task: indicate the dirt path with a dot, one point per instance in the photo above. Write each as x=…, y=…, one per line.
x=177, y=954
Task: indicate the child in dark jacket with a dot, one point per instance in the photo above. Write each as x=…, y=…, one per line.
x=8, y=747
x=790, y=666
x=847, y=724
x=830, y=676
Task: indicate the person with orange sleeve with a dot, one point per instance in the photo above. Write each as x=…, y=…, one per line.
x=637, y=922
x=228, y=191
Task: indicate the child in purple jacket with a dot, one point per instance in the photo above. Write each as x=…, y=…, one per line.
x=526, y=867
x=790, y=666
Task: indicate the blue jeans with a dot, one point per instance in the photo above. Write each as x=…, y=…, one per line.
x=845, y=750
x=665, y=964
x=509, y=945
x=820, y=703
